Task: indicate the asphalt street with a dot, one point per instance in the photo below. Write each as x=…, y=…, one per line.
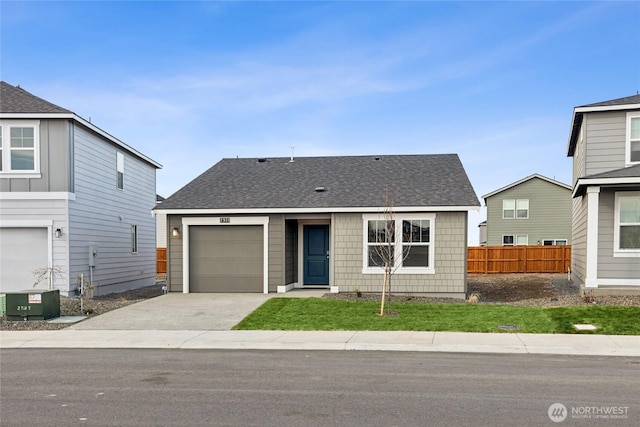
x=127, y=387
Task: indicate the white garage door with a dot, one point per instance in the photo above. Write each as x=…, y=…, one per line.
x=22, y=251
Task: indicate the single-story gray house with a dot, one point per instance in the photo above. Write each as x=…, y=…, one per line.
x=275, y=224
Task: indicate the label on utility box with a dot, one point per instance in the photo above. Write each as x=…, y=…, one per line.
x=35, y=298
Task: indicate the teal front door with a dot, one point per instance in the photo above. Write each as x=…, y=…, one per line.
x=316, y=255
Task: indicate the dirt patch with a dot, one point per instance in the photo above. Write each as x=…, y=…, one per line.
x=518, y=287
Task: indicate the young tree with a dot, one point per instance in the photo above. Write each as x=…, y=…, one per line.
x=382, y=248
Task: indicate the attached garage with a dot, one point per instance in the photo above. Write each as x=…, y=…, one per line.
x=219, y=254
x=226, y=258
x=22, y=251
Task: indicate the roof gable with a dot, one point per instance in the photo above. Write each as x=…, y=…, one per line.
x=626, y=103
x=17, y=103
x=523, y=180
x=328, y=182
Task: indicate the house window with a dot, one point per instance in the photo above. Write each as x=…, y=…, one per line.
x=627, y=219
x=554, y=242
x=416, y=238
x=406, y=242
x=380, y=242
x=515, y=209
x=515, y=240
x=633, y=138
x=19, y=149
x=119, y=170
x=134, y=238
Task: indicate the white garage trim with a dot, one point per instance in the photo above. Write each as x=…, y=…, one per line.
x=48, y=224
x=223, y=221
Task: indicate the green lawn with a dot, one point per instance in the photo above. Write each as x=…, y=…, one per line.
x=317, y=314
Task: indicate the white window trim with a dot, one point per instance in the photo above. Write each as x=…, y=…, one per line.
x=617, y=252
x=554, y=242
x=627, y=146
x=515, y=239
x=515, y=208
x=119, y=169
x=134, y=238
x=398, y=218
x=6, y=149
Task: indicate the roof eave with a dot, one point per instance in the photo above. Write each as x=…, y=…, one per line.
x=583, y=183
x=352, y=209
x=87, y=124
x=523, y=180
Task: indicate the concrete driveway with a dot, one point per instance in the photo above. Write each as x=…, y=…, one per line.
x=178, y=311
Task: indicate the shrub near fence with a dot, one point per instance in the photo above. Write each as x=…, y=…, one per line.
x=518, y=259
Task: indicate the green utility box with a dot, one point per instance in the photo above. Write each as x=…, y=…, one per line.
x=33, y=305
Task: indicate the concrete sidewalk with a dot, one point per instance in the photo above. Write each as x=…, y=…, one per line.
x=204, y=321
x=600, y=345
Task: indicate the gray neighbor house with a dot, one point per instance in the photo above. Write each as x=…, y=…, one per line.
x=276, y=224
x=73, y=199
x=535, y=210
x=604, y=142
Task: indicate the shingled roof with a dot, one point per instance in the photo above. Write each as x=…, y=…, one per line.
x=16, y=102
x=328, y=182
x=629, y=175
x=14, y=99
x=628, y=102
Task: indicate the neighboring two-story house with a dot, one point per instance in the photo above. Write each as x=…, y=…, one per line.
x=73, y=199
x=604, y=142
x=535, y=210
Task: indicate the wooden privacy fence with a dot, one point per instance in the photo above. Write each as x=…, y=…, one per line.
x=161, y=260
x=518, y=259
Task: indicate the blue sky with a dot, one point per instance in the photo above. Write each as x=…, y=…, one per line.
x=188, y=83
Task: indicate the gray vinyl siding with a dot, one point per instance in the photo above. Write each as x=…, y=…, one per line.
x=549, y=213
x=579, y=239
x=450, y=242
x=44, y=210
x=276, y=252
x=102, y=216
x=610, y=267
x=291, y=252
x=604, y=134
x=55, y=146
x=174, y=255
x=578, y=158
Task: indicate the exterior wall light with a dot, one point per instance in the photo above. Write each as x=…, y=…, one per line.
x=58, y=232
x=175, y=232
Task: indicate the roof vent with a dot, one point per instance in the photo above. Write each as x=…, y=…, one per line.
x=319, y=189
x=376, y=158
x=262, y=160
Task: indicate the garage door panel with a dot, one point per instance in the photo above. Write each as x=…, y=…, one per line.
x=22, y=251
x=226, y=258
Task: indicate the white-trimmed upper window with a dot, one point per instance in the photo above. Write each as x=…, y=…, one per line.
x=515, y=208
x=627, y=224
x=119, y=170
x=20, y=149
x=405, y=241
x=633, y=138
